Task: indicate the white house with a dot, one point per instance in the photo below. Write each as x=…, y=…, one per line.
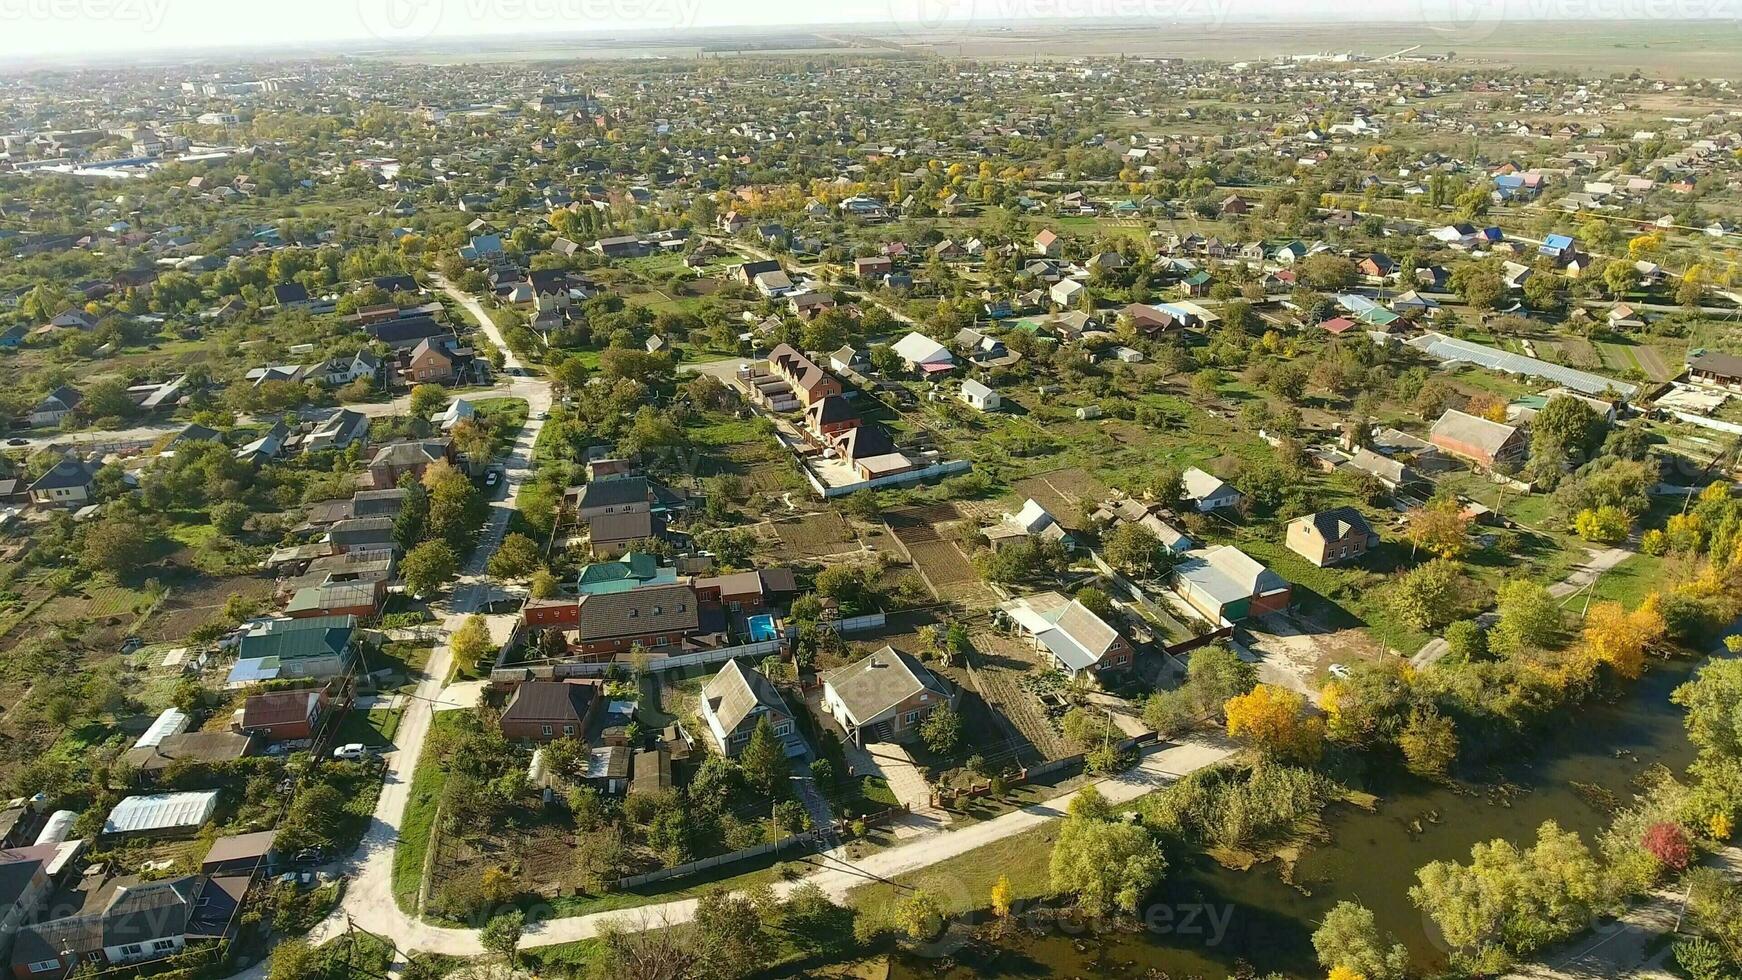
x=980, y=396
x=1067, y=292
x=923, y=354
x=1206, y=493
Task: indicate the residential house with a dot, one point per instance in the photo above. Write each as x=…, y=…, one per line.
x=55, y=406
x=885, y=697
x=1480, y=441
x=1206, y=493
x=543, y=711
x=430, y=362
x=1331, y=537
x=735, y=701
x=1049, y=244
x=1071, y=636
x=284, y=716
x=1226, y=585
x=106, y=924
x=67, y=483
x=338, y=431
x=979, y=396
x=921, y=354
x=1715, y=368
x=1032, y=521
x=829, y=416
x=278, y=649
x=809, y=382
x=399, y=459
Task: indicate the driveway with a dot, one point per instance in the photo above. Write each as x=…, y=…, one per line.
x=909, y=786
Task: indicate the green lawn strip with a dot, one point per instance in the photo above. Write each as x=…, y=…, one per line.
x=964, y=883
x=419, y=818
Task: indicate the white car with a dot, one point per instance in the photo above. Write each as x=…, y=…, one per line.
x=352, y=751
x=1340, y=671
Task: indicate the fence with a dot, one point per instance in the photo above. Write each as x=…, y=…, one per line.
x=555, y=670
x=828, y=492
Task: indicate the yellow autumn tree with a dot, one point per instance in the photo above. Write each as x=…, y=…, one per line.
x=1620, y=638
x=1275, y=722
x=1001, y=897
x=1343, y=973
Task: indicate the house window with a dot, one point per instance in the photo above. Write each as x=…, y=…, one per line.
x=547, y=730
x=660, y=641
x=658, y=609
x=783, y=729
x=132, y=950
x=163, y=945
x=912, y=717
x=43, y=966
x=634, y=614
x=568, y=729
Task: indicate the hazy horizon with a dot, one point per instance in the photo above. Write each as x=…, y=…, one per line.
x=85, y=29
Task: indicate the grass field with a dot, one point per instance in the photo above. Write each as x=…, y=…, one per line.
x=420, y=814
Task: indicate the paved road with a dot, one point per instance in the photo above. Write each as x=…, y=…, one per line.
x=368, y=897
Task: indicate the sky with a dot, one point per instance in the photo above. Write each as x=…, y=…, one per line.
x=30, y=29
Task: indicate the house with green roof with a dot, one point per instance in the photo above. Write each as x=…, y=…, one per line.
x=277, y=649
x=633, y=570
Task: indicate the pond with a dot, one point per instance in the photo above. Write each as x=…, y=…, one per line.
x=1209, y=920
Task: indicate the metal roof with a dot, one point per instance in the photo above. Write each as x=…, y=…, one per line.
x=161, y=812
x=1452, y=350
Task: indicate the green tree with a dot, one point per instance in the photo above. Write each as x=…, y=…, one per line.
x=1105, y=863
x=427, y=401
x=941, y=730
x=230, y=516
x=428, y=567
x=1528, y=619
x=501, y=935
x=1349, y=939
x=1428, y=595
x=763, y=760
x=516, y=557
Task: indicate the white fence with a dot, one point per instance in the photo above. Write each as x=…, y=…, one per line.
x=899, y=479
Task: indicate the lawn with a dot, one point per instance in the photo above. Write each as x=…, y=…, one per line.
x=374, y=728
x=418, y=822
x=1631, y=581
x=964, y=883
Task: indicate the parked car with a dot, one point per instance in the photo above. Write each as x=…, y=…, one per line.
x=492, y=478
x=351, y=751
x=16, y=441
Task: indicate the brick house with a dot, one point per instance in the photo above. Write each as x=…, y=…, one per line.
x=541, y=711
x=397, y=459
x=884, y=697
x=1479, y=440
x=830, y=415
x=284, y=716
x=1331, y=537
x=810, y=383
x=735, y=701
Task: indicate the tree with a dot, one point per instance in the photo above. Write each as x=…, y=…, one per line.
x=517, y=557
x=1349, y=939
x=1479, y=285
x=1505, y=903
x=1666, y=841
x=1466, y=640
x=764, y=760
x=1528, y=619
x=732, y=937
x=1607, y=524
x=230, y=516
x=1134, y=550
x=1620, y=639
x=118, y=544
x=1427, y=596
x=1327, y=272
x=1000, y=897
x=427, y=401
x=1429, y=743
x=919, y=916
x=295, y=959
x=428, y=567
x=941, y=730
x=1274, y=721
x=544, y=585
x=501, y=935
x=1566, y=432
x=1440, y=528
x=471, y=643
x=1106, y=863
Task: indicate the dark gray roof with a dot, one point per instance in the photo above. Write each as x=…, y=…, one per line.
x=543, y=701
x=1338, y=523
x=614, y=493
